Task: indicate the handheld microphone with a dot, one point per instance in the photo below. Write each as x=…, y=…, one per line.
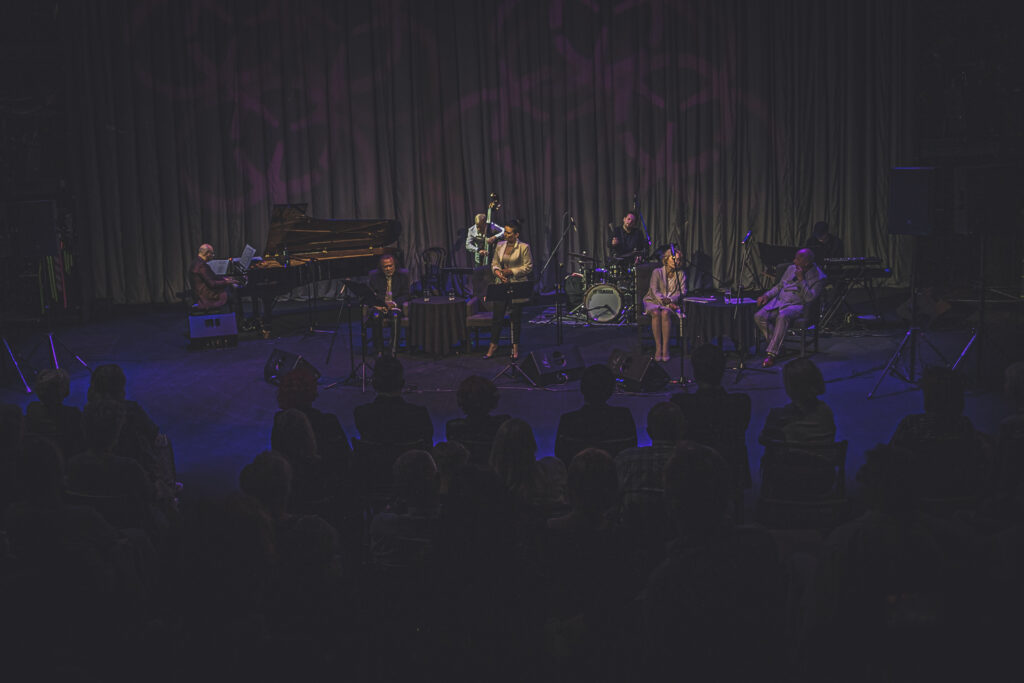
x=747, y=238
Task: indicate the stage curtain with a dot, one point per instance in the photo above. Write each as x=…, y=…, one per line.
x=188, y=119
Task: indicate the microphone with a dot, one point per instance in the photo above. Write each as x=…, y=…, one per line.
x=747, y=238
x=572, y=221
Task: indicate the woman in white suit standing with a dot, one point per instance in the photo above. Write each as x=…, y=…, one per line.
x=512, y=262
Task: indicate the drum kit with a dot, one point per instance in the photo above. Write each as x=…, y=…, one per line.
x=605, y=295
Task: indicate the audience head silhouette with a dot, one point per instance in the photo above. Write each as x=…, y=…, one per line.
x=108, y=381
x=697, y=488
x=708, y=364
x=293, y=436
x=666, y=422
x=268, y=479
x=388, y=375
x=597, y=384
x=943, y=391
x=512, y=455
x=297, y=389
x=887, y=480
x=476, y=395
x=592, y=482
x=416, y=479
x=803, y=380
x=52, y=386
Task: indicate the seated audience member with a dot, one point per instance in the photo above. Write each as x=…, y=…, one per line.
x=596, y=423
x=874, y=578
x=85, y=577
x=949, y=456
x=450, y=457
x=712, y=609
x=298, y=391
x=715, y=417
x=807, y=420
x=402, y=537
x=390, y=418
x=533, y=482
x=476, y=397
x=227, y=572
x=49, y=416
x=640, y=470
x=1010, y=441
x=12, y=427
x=641, y=476
x=99, y=471
x=307, y=546
x=140, y=438
x=294, y=440
x=588, y=577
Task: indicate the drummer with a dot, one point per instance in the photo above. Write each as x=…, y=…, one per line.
x=628, y=243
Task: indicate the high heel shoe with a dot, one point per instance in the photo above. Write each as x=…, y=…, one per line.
x=491, y=350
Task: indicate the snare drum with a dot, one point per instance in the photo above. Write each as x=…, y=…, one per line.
x=603, y=303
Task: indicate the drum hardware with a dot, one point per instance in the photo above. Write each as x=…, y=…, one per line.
x=583, y=256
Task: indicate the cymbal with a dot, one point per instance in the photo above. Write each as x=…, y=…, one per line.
x=582, y=257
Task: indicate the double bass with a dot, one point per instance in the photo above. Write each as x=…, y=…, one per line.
x=484, y=249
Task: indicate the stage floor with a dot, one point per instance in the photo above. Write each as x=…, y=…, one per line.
x=217, y=408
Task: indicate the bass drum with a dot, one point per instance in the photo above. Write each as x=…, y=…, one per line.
x=603, y=303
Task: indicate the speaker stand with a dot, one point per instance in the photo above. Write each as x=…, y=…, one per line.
x=12, y=357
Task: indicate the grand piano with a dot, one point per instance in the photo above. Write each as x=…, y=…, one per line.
x=302, y=250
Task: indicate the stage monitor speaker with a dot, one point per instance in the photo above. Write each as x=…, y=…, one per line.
x=911, y=201
x=638, y=371
x=554, y=365
x=281, y=363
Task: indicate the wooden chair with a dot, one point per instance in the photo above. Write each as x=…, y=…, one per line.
x=803, y=486
x=566, y=447
x=120, y=511
x=431, y=277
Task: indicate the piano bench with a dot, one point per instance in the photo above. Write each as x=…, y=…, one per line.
x=212, y=331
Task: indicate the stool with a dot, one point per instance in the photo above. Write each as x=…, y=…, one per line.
x=211, y=330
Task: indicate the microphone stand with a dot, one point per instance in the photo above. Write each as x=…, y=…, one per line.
x=643, y=223
x=571, y=223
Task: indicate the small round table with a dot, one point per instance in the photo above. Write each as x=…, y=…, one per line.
x=436, y=323
x=708, y=320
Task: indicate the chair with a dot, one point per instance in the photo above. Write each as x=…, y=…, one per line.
x=478, y=311
x=120, y=511
x=803, y=486
x=566, y=447
x=643, y=321
x=431, y=278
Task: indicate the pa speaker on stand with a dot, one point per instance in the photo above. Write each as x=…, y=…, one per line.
x=638, y=371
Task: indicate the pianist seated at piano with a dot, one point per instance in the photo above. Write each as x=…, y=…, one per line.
x=209, y=290
x=391, y=286
x=824, y=244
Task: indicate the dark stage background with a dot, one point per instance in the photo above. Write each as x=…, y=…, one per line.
x=188, y=119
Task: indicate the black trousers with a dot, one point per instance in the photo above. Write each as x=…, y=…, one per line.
x=515, y=315
x=375, y=321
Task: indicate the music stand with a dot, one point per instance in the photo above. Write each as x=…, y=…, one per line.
x=511, y=293
x=360, y=295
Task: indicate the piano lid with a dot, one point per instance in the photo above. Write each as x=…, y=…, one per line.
x=301, y=235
